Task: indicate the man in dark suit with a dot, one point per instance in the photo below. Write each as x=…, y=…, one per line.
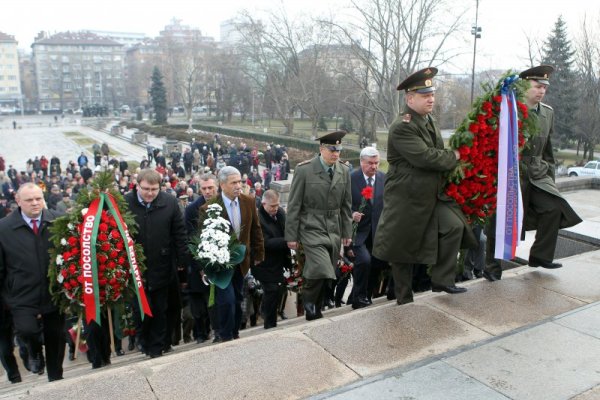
x=240, y=211
x=161, y=233
x=367, y=220
x=24, y=260
x=199, y=292
x=277, y=256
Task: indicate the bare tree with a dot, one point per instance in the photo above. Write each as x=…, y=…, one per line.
x=393, y=38
x=188, y=72
x=587, y=115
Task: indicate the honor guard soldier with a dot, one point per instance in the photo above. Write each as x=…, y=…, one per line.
x=319, y=218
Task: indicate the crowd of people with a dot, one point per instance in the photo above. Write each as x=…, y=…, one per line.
x=339, y=223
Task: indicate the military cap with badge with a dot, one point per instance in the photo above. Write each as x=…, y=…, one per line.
x=333, y=140
x=541, y=74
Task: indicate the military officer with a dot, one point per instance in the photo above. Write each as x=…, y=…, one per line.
x=319, y=218
x=545, y=209
x=419, y=224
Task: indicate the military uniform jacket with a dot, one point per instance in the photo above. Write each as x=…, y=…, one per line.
x=538, y=166
x=407, y=230
x=319, y=214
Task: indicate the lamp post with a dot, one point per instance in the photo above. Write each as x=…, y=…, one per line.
x=476, y=32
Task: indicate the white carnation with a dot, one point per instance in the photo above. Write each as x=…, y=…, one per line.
x=70, y=226
x=84, y=211
x=60, y=278
x=63, y=242
x=59, y=259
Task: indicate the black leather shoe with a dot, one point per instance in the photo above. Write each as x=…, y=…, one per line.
x=282, y=315
x=478, y=273
x=360, y=303
x=448, y=289
x=120, y=352
x=310, y=311
x=536, y=262
x=329, y=304
x=490, y=277
x=16, y=379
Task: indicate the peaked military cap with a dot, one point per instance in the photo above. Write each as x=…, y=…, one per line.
x=541, y=73
x=333, y=138
x=420, y=81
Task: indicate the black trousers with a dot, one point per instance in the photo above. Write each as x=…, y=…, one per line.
x=228, y=303
x=154, y=329
x=52, y=326
x=7, y=347
x=199, y=308
x=270, y=303
x=98, y=341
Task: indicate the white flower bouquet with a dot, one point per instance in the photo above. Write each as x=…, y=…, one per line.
x=217, y=248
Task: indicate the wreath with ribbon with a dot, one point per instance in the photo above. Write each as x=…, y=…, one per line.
x=473, y=183
x=94, y=263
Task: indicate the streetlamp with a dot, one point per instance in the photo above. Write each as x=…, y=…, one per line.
x=476, y=32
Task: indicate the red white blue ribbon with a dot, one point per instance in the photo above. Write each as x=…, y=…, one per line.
x=509, y=208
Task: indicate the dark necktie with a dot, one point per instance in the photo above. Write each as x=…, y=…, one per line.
x=34, y=226
x=370, y=184
x=330, y=172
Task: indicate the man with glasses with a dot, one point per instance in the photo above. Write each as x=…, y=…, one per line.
x=162, y=234
x=320, y=218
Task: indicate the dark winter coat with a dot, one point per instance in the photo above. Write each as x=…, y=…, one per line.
x=161, y=232
x=24, y=260
x=277, y=253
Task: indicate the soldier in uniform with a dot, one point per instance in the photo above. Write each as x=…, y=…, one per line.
x=419, y=223
x=320, y=218
x=545, y=209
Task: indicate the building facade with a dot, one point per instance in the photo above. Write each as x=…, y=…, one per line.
x=10, y=81
x=77, y=69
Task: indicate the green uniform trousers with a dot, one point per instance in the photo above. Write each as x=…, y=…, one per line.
x=443, y=273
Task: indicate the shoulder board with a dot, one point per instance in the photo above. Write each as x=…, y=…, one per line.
x=303, y=163
x=547, y=106
x=345, y=163
x=406, y=118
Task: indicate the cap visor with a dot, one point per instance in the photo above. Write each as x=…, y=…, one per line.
x=425, y=90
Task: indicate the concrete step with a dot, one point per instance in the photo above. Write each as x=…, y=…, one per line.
x=300, y=359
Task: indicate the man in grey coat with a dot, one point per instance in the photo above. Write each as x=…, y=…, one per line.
x=419, y=223
x=320, y=218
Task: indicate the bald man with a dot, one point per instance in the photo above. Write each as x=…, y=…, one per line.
x=24, y=259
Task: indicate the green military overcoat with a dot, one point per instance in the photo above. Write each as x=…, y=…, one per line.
x=537, y=169
x=407, y=230
x=319, y=215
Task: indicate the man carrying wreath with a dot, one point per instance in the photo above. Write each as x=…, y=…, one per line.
x=419, y=223
x=545, y=209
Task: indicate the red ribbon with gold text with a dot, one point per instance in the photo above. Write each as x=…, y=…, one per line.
x=135, y=270
x=89, y=266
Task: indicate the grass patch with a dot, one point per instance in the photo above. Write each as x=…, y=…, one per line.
x=72, y=134
x=83, y=141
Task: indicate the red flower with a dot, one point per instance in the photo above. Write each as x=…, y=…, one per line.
x=367, y=192
x=115, y=234
x=66, y=255
x=111, y=264
x=105, y=246
x=114, y=254
x=103, y=227
x=121, y=261
x=64, y=273
x=102, y=237
x=120, y=245
x=101, y=258
x=474, y=128
x=112, y=223
x=72, y=269
x=72, y=241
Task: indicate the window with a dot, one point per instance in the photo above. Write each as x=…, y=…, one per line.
x=12, y=77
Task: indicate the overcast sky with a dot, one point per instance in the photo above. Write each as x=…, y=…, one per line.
x=505, y=23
